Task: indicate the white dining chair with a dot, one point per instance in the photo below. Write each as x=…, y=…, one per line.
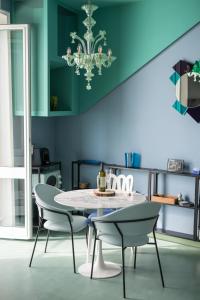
x=53, y=217
x=111, y=181
x=129, y=184
x=128, y=227
x=121, y=182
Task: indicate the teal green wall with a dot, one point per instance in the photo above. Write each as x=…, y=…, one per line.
x=50, y=29
x=62, y=81
x=33, y=12
x=137, y=32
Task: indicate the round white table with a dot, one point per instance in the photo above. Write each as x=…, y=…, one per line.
x=87, y=199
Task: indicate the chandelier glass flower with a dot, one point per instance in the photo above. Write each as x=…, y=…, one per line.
x=89, y=50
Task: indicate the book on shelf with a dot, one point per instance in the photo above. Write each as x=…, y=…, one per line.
x=167, y=199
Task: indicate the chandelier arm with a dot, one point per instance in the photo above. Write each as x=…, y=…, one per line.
x=82, y=43
x=96, y=37
x=70, y=60
x=107, y=63
x=71, y=64
x=96, y=41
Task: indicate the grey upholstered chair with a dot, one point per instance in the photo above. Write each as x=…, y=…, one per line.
x=55, y=217
x=120, y=183
x=128, y=227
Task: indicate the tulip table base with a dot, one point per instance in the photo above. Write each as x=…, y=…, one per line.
x=105, y=270
x=102, y=269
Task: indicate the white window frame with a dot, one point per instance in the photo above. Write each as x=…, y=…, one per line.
x=22, y=172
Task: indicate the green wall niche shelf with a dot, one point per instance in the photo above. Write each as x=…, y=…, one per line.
x=51, y=23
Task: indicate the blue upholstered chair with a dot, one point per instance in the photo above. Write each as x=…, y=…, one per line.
x=55, y=217
x=128, y=227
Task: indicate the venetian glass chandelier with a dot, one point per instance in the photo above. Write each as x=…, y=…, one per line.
x=195, y=73
x=90, y=49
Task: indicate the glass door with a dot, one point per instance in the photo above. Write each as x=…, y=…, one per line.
x=15, y=137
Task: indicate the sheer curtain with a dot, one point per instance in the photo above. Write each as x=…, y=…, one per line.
x=7, y=205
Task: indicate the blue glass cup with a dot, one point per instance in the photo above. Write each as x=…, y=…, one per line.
x=127, y=159
x=135, y=160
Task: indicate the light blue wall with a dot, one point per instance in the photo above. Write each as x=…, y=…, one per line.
x=67, y=145
x=138, y=116
x=43, y=134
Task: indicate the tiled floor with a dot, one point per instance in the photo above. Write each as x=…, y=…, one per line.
x=51, y=276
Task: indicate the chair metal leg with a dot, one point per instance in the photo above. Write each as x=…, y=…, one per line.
x=47, y=239
x=73, y=252
x=135, y=254
x=93, y=255
x=123, y=260
x=160, y=268
x=36, y=238
x=123, y=271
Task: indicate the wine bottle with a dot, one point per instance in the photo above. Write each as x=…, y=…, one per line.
x=102, y=179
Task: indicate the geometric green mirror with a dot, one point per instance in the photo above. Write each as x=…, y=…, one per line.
x=187, y=90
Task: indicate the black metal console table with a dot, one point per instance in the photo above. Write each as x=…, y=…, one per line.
x=151, y=189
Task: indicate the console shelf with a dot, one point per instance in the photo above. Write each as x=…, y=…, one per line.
x=152, y=188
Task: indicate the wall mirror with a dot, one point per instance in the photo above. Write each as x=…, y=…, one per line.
x=187, y=90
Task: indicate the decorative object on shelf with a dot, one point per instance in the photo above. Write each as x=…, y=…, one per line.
x=175, y=165
x=84, y=185
x=196, y=171
x=132, y=159
x=183, y=202
x=86, y=56
x=168, y=199
x=180, y=198
x=135, y=160
x=187, y=88
x=186, y=204
x=128, y=159
x=53, y=103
